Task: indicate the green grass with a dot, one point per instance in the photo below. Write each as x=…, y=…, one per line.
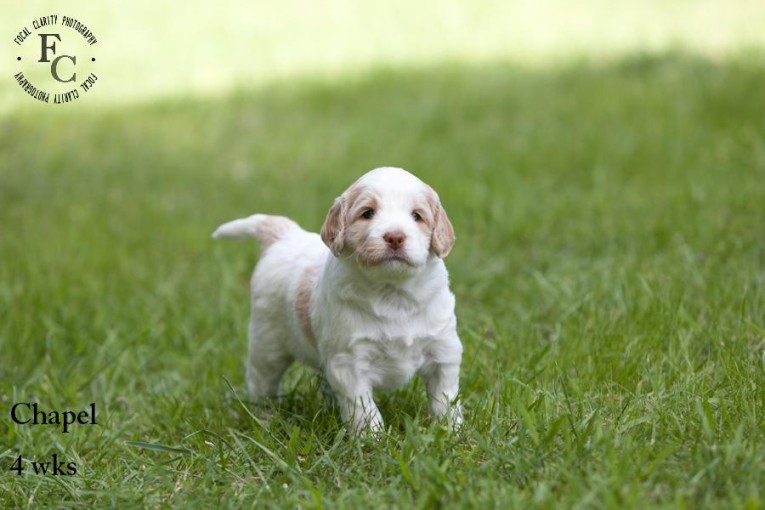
x=149, y=50
x=609, y=274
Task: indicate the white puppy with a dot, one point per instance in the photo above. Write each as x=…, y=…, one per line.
x=367, y=303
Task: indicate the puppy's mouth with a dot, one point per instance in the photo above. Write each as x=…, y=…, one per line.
x=390, y=259
x=395, y=258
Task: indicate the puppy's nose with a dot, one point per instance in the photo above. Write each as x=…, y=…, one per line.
x=395, y=239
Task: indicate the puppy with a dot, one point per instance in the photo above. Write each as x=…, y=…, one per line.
x=367, y=303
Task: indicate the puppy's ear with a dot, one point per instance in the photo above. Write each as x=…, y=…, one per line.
x=333, y=230
x=442, y=238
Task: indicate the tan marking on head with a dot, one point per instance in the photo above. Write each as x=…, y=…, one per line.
x=367, y=251
x=359, y=203
x=333, y=232
x=442, y=237
x=306, y=284
x=425, y=210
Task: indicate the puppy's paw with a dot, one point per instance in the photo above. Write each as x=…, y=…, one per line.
x=366, y=424
x=453, y=416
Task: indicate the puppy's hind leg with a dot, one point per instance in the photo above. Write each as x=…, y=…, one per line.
x=268, y=359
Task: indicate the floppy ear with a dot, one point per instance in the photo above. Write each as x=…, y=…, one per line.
x=333, y=230
x=442, y=239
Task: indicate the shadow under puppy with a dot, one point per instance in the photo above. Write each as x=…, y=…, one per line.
x=367, y=303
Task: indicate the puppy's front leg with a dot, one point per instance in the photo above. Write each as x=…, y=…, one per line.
x=354, y=395
x=360, y=412
x=442, y=383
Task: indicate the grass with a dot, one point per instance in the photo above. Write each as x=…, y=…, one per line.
x=608, y=273
x=148, y=50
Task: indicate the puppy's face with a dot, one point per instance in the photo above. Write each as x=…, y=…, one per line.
x=388, y=218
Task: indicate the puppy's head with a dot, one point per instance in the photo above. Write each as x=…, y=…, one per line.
x=388, y=218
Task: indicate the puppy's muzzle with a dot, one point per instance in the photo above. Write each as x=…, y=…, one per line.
x=395, y=240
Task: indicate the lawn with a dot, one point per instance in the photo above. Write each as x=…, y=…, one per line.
x=609, y=273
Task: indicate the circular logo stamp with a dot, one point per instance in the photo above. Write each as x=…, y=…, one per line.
x=56, y=59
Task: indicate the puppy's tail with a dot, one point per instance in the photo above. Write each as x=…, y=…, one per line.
x=263, y=227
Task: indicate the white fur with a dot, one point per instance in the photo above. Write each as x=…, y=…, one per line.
x=378, y=314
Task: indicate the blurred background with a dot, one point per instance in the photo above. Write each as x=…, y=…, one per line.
x=150, y=51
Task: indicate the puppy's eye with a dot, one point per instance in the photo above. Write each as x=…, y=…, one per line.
x=368, y=214
x=416, y=216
